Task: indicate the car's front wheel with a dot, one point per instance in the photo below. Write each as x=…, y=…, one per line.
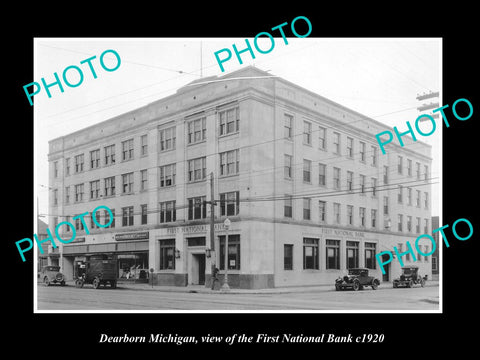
x=96, y=283
x=375, y=285
x=46, y=281
x=356, y=285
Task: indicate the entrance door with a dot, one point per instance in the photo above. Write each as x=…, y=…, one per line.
x=386, y=276
x=198, y=268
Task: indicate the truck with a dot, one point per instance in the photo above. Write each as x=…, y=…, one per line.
x=97, y=270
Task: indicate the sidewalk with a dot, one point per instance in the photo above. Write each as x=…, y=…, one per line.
x=206, y=290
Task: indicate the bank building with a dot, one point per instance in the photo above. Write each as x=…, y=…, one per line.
x=301, y=179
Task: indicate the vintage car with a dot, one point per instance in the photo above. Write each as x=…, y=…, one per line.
x=51, y=274
x=97, y=270
x=356, y=279
x=409, y=277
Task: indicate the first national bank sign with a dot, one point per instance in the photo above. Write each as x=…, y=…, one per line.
x=193, y=229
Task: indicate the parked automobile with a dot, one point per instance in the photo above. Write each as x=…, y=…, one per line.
x=409, y=277
x=356, y=279
x=51, y=274
x=97, y=270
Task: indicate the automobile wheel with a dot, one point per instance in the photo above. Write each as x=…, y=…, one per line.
x=78, y=283
x=374, y=285
x=410, y=284
x=356, y=286
x=46, y=281
x=96, y=283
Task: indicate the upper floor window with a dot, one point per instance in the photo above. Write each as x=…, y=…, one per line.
x=196, y=130
x=167, y=138
x=229, y=162
x=229, y=121
x=109, y=154
x=197, y=169
x=127, y=149
x=288, y=125
x=94, y=159
x=307, y=133
x=79, y=163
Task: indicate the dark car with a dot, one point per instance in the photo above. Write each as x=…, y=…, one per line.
x=51, y=274
x=409, y=277
x=97, y=270
x=356, y=279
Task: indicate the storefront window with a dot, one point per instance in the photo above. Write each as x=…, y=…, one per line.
x=167, y=254
x=333, y=254
x=310, y=253
x=233, y=252
x=352, y=254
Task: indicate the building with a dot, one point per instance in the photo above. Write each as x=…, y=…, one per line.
x=42, y=259
x=436, y=253
x=299, y=176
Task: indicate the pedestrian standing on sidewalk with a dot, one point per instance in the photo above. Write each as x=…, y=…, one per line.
x=214, y=277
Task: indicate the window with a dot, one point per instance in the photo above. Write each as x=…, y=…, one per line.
x=307, y=170
x=67, y=194
x=67, y=166
x=127, y=216
x=350, y=214
x=336, y=143
x=288, y=205
x=67, y=219
x=370, y=253
x=426, y=228
x=426, y=200
x=167, y=138
x=287, y=257
x=352, y=254
x=322, y=208
x=79, y=163
x=109, y=154
x=79, y=224
x=385, y=174
x=362, y=184
x=400, y=165
x=400, y=222
x=336, y=178
x=417, y=165
x=418, y=198
x=94, y=189
x=197, y=169
x=55, y=169
x=322, y=174
x=144, y=214
x=143, y=180
x=127, y=150
x=94, y=159
x=385, y=205
x=362, y=151
x=362, y=214
x=409, y=223
x=143, y=145
x=374, y=156
x=333, y=254
x=307, y=133
x=409, y=196
x=288, y=126
x=197, y=208
x=167, y=254
x=349, y=147
x=233, y=255
x=374, y=187
x=288, y=166
x=229, y=203
x=229, y=162
x=349, y=180
x=310, y=253
x=374, y=218
x=426, y=172
x=168, y=212
x=306, y=208
x=336, y=212
x=434, y=263
x=109, y=186
x=400, y=194
x=78, y=192
x=196, y=130
x=167, y=175
x=322, y=138
x=107, y=216
x=127, y=183
x=409, y=167
x=417, y=227
x=94, y=225
x=229, y=121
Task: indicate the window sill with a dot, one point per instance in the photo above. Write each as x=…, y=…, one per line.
x=228, y=134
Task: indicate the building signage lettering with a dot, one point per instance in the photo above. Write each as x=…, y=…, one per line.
x=132, y=236
x=193, y=229
x=434, y=245
x=337, y=232
x=429, y=117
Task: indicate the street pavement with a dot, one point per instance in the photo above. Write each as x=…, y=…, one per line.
x=130, y=296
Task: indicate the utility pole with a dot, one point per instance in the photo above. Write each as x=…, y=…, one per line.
x=213, y=255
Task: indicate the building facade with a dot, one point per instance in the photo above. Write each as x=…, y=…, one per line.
x=300, y=177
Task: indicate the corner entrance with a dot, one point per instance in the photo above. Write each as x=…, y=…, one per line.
x=198, y=269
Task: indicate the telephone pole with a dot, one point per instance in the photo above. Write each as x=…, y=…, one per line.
x=213, y=255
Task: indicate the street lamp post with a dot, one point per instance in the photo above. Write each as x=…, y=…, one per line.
x=225, y=286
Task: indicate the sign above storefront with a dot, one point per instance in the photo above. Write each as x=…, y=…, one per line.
x=194, y=229
x=340, y=232
x=132, y=236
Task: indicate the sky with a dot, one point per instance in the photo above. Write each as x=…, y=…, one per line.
x=379, y=78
